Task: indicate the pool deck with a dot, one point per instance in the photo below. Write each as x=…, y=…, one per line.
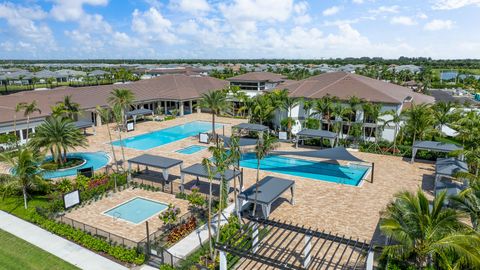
x=349, y=210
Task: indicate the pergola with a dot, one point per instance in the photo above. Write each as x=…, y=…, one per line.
x=138, y=112
x=84, y=125
x=336, y=153
x=199, y=171
x=262, y=243
x=269, y=190
x=241, y=141
x=433, y=146
x=250, y=127
x=318, y=134
x=159, y=162
x=447, y=167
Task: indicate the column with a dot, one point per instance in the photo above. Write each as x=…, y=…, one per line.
x=98, y=119
x=182, y=110
x=307, y=250
x=165, y=107
x=199, y=110
x=190, y=104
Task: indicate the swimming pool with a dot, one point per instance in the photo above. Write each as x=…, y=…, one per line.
x=348, y=175
x=164, y=136
x=191, y=149
x=97, y=160
x=136, y=210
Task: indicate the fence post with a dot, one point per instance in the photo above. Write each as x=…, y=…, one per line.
x=148, y=237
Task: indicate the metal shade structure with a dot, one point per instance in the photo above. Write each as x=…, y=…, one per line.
x=447, y=167
x=269, y=190
x=433, y=146
x=241, y=141
x=317, y=134
x=138, y=112
x=153, y=161
x=199, y=171
x=84, y=125
x=262, y=243
x=251, y=127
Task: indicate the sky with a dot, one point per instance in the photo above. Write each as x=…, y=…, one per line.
x=202, y=29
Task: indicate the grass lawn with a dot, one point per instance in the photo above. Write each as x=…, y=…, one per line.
x=14, y=205
x=16, y=253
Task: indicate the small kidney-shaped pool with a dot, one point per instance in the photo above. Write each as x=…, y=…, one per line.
x=97, y=160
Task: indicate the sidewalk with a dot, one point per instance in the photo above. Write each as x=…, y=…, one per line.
x=60, y=247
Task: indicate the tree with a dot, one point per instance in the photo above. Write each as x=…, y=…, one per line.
x=396, y=120
x=235, y=153
x=354, y=103
x=119, y=119
x=106, y=116
x=262, y=109
x=265, y=144
x=58, y=135
x=340, y=113
x=121, y=98
x=34, y=80
x=207, y=164
x=419, y=122
x=288, y=104
x=324, y=107
x=468, y=201
x=28, y=109
x=66, y=108
x=216, y=102
x=443, y=113
x=26, y=173
x=428, y=234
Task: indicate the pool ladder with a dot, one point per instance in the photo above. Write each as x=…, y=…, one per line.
x=116, y=215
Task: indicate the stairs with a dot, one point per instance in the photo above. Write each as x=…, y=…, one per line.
x=155, y=261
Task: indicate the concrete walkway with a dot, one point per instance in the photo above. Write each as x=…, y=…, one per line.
x=56, y=245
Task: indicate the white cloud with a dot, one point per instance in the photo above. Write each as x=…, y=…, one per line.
x=153, y=26
x=385, y=9
x=454, y=4
x=358, y=1
x=301, y=13
x=331, y=11
x=258, y=10
x=422, y=16
x=72, y=10
x=191, y=6
x=436, y=25
x=403, y=20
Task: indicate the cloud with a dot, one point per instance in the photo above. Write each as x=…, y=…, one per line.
x=153, y=26
x=72, y=10
x=436, y=25
x=403, y=20
x=258, y=10
x=385, y=9
x=191, y=6
x=331, y=11
x=301, y=13
x=453, y=4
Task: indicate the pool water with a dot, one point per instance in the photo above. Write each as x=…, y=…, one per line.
x=97, y=160
x=348, y=175
x=136, y=210
x=168, y=135
x=191, y=149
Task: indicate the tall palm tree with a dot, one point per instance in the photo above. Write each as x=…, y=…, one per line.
x=307, y=106
x=207, y=164
x=467, y=127
x=106, y=116
x=395, y=120
x=121, y=98
x=235, y=155
x=216, y=102
x=443, y=113
x=354, y=103
x=262, y=109
x=119, y=119
x=25, y=170
x=289, y=104
x=72, y=108
x=28, y=109
x=324, y=107
x=264, y=146
x=468, y=201
x=428, y=234
x=419, y=121
x=340, y=113
x=58, y=135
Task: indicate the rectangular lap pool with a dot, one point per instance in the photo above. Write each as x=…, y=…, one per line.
x=164, y=136
x=348, y=175
x=191, y=149
x=136, y=210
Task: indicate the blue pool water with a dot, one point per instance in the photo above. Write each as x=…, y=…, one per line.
x=97, y=160
x=348, y=175
x=191, y=149
x=163, y=136
x=136, y=210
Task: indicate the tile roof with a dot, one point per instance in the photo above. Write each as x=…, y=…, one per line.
x=259, y=77
x=345, y=85
x=166, y=87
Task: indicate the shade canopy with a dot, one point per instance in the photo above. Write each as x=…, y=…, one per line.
x=251, y=127
x=337, y=153
x=269, y=189
x=436, y=146
x=450, y=166
x=315, y=133
x=83, y=124
x=155, y=161
x=241, y=141
x=199, y=170
x=141, y=111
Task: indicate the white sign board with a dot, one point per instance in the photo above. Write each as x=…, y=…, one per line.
x=282, y=135
x=130, y=126
x=71, y=199
x=203, y=137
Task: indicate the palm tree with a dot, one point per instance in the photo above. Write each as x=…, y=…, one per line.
x=468, y=201
x=340, y=112
x=264, y=146
x=428, y=234
x=324, y=107
x=262, y=109
x=419, y=121
x=216, y=102
x=235, y=155
x=119, y=119
x=354, y=104
x=207, y=164
x=106, y=117
x=443, y=113
x=25, y=170
x=289, y=104
x=396, y=120
x=121, y=98
x=28, y=109
x=58, y=135
x=307, y=106
x=468, y=128
x=72, y=108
